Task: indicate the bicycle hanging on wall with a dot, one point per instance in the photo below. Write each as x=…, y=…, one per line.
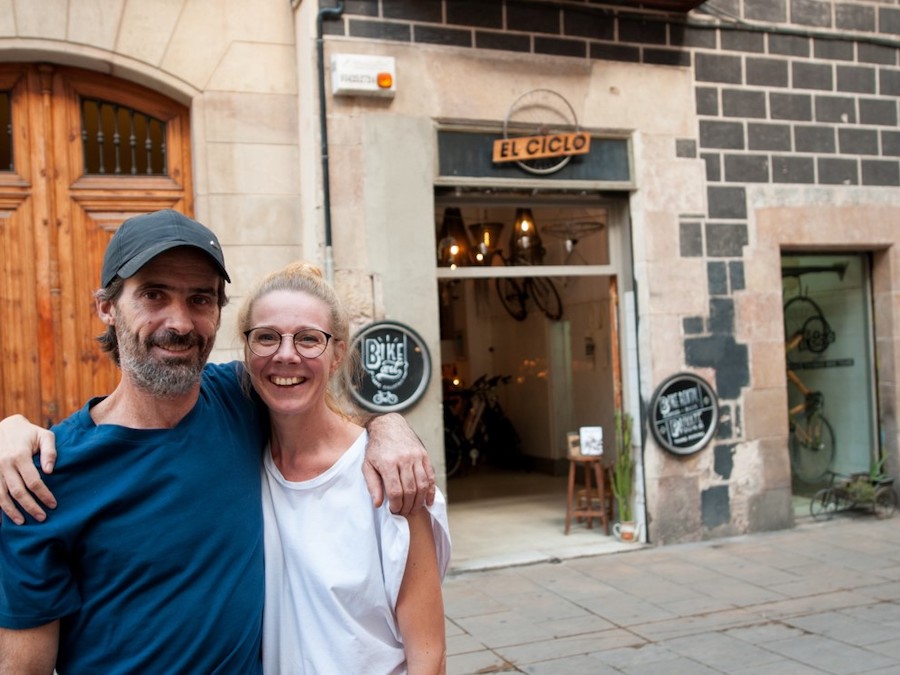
x=811, y=440
x=515, y=292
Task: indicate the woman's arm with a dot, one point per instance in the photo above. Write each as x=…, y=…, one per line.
x=19, y=479
x=420, y=605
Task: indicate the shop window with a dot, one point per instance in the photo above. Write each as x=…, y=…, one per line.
x=828, y=336
x=119, y=140
x=483, y=233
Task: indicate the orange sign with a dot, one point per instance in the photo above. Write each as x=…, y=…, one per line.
x=536, y=147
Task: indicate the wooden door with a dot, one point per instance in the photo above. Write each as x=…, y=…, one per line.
x=85, y=151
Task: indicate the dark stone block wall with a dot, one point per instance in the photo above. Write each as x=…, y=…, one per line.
x=788, y=92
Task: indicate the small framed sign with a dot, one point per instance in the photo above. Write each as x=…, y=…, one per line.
x=395, y=367
x=591, y=439
x=684, y=414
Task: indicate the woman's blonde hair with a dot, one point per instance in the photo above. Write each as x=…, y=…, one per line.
x=306, y=278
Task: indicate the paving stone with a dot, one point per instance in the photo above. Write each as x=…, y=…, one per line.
x=821, y=598
x=829, y=655
x=721, y=651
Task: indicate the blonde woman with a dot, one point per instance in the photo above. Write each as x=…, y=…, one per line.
x=349, y=588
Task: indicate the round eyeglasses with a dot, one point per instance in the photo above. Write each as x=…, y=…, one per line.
x=310, y=343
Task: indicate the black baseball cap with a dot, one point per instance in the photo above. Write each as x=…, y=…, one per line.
x=141, y=238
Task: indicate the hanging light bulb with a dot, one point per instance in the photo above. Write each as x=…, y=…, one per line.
x=525, y=243
x=486, y=237
x=453, y=243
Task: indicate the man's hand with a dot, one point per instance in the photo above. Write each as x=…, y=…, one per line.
x=396, y=456
x=19, y=479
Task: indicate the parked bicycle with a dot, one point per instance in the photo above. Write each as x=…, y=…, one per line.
x=811, y=439
x=856, y=490
x=476, y=429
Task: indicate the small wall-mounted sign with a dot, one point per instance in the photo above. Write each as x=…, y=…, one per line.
x=363, y=75
x=684, y=414
x=395, y=367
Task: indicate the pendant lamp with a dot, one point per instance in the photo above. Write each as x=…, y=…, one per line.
x=486, y=238
x=454, y=248
x=525, y=246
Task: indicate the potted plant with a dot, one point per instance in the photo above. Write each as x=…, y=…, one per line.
x=623, y=479
x=863, y=487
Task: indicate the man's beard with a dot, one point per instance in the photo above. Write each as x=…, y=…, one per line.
x=168, y=377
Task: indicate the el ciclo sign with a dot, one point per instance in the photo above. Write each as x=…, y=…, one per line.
x=684, y=414
x=539, y=147
x=540, y=133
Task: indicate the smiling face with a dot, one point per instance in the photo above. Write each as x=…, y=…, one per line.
x=288, y=383
x=165, y=320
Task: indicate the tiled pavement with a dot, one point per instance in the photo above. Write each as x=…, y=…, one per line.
x=820, y=598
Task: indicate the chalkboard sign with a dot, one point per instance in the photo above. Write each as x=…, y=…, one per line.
x=684, y=414
x=394, y=367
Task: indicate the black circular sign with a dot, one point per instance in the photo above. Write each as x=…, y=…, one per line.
x=684, y=414
x=394, y=367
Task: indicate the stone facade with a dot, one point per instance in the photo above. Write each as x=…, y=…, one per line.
x=756, y=125
x=796, y=106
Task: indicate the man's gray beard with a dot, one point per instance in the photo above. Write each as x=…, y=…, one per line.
x=165, y=380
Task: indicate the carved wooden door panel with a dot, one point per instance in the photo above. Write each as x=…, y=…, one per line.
x=84, y=152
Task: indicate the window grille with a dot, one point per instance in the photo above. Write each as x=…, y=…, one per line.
x=6, y=140
x=118, y=140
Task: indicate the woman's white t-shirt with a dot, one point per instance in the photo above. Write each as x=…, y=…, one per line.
x=334, y=565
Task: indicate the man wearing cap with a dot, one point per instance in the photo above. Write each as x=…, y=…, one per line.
x=153, y=561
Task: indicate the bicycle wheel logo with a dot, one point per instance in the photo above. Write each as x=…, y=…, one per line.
x=541, y=133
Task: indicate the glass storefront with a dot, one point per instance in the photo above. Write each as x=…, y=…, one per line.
x=540, y=328
x=830, y=374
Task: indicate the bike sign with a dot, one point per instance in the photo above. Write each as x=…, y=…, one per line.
x=685, y=414
x=395, y=367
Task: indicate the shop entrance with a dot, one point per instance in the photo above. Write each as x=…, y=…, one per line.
x=530, y=344
x=830, y=370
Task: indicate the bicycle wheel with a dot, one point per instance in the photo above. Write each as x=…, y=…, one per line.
x=545, y=296
x=540, y=112
x=453, y=452
x=885, y=502
x=512, y=297
x=817, y=334
x=811, y=448
x=802, y=315
x=824, y=504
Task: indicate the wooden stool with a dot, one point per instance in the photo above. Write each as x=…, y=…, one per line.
x=607, y=503
x=588, y=503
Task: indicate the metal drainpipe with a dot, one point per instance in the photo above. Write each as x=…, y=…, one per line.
x=325, y=13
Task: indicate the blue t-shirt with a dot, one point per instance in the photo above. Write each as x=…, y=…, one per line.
x=153, y=559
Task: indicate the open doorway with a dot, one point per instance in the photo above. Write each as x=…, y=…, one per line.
x=830, y=370
x=529, y=350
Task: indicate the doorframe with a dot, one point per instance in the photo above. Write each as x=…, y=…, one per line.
x=619, y=271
